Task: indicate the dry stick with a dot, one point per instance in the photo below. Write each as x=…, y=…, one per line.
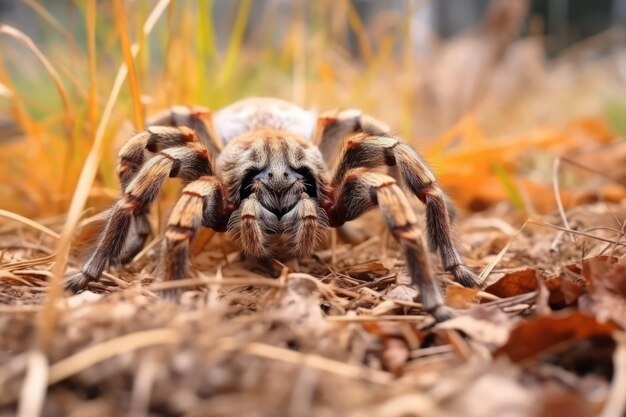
x=34, y=389
x=28, y=222
x=369, y=318
x=616, y=405
x=557, y=193
x=229, y=282
x=93, y=355
x=147, y=249
x=29, y=262
x=593, y=170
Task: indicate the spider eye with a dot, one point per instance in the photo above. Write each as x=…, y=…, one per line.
x=246, y=184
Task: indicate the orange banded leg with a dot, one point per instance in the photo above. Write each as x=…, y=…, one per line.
x=201, y=204
x=363, y=151
x=198, y=118
x=187, y=163
x=132, y=156
x=361, y=191
x=332, y=127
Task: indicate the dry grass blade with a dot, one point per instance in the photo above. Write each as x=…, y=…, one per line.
x=359, y=30
x=313, y=361
x=109, y=349
x=122, y=24
x=92, y=98
x=84, y=184
x=485, y=272
x=364, y=318
x=236, y=38
x=48, y=17
x=28, y=222
x=56, y=79
x=577, y=232
x=38, y=371
x=234, y=282
x=48, y=316
x=557, y=194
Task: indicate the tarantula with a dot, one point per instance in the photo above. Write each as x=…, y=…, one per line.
x=271, y=190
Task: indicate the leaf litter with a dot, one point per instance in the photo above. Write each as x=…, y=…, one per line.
x=332, y=339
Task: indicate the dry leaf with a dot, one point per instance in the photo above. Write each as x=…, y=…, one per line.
x=536, y=335
x=368, y=271
x=488, y=326
x=461, y=297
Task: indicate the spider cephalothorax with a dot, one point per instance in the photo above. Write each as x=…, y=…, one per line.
x=270, y=188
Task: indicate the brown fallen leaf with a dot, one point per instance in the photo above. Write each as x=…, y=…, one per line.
x=369, y=271
x=461, y=297
x=514, y=283
x=562, y=290
x=536, y=335
x=606, y=297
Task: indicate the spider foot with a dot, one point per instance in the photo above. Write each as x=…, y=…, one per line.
x=464, y=276
x=77, y=282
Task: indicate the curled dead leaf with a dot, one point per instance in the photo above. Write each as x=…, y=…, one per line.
x=536, y=335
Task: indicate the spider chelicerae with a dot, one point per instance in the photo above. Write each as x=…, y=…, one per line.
x=271, y=190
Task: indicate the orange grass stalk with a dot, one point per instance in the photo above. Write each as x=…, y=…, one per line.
x=34, y=388
x=235, y=42
x=56, y=79
x=92, y=97
x=122, y=25
x=363, y=40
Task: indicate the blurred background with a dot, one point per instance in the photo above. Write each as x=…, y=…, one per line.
x=489, y=90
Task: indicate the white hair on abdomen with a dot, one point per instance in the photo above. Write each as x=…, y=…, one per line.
x=264, y=113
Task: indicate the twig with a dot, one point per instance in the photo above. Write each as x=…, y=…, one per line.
x=302, y=359
x=485, y=272
x=226, y=282
x=99, y=353
x=369, y=318
x=28, y=222
x=576, y=232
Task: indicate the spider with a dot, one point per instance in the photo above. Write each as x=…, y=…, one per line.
x=270, y=189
